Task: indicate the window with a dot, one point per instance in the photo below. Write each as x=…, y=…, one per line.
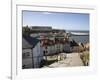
x=26, y=54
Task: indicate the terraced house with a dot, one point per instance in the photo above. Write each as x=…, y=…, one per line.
x=32, y=53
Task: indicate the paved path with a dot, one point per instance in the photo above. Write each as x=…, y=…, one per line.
x=73, y=59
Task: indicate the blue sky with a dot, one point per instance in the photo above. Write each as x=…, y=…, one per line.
x=67, y=21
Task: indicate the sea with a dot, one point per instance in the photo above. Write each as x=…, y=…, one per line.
x=80, y=38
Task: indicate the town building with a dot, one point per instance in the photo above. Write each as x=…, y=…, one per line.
x=32, y=53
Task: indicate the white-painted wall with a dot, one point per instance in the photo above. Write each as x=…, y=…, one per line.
x=37, y=52
x=37, y=55
x=61, y=47
x=27, y=61
x=48, y=50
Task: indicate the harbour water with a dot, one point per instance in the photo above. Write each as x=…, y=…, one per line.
x=80, y=38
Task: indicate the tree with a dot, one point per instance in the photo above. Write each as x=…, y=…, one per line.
x=25, y=30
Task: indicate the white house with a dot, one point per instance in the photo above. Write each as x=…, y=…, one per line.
x=54, y=46
x=32, y=51
x=61, y=47
x=48, y=47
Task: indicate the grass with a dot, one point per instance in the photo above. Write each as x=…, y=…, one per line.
x=85, y=56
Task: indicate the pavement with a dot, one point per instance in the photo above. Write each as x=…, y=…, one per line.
x=72, y=59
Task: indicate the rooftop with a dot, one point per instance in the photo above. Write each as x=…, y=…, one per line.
x=29, y=42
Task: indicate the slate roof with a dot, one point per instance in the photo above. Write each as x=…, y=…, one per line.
x=29, y=42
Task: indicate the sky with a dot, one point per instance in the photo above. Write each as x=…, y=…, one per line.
x=67, y=21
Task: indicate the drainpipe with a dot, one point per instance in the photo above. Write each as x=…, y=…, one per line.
x=32, y=58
